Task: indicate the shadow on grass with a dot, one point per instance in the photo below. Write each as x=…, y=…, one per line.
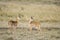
x=10, y=38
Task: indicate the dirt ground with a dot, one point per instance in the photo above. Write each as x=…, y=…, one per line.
x=49, y=31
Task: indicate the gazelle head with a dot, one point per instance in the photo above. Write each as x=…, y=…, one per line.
x=17, y=18
x=29, y=19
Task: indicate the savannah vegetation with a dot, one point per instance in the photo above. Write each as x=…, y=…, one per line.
x=42, y=10
x=45, y=11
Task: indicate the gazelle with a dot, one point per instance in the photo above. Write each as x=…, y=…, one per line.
x=33, y=23
x=13, y=24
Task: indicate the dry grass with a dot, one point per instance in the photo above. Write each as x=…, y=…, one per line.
x=48, y=14
x=24, y=34
x=41, y=12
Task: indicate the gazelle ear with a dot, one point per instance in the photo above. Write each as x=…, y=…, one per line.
x=32, y=17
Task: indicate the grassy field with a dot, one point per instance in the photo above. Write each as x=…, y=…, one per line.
x=41, y=12
x=45, y=11
x=49, y=31
x=25, y=34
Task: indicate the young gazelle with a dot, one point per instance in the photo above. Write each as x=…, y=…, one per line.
x=33, y=23
x=13, y=24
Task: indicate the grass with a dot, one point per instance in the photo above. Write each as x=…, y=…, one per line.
x=45, y=12
x=25, y=34
x=56, y=2
x=41, y=12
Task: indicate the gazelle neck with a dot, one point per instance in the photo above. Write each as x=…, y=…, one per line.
x=17, y=18
x=30, y=20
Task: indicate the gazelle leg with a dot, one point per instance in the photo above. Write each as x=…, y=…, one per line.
x=10, y=29
x=39, y=28
x=14, y=33
x=30, y=27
